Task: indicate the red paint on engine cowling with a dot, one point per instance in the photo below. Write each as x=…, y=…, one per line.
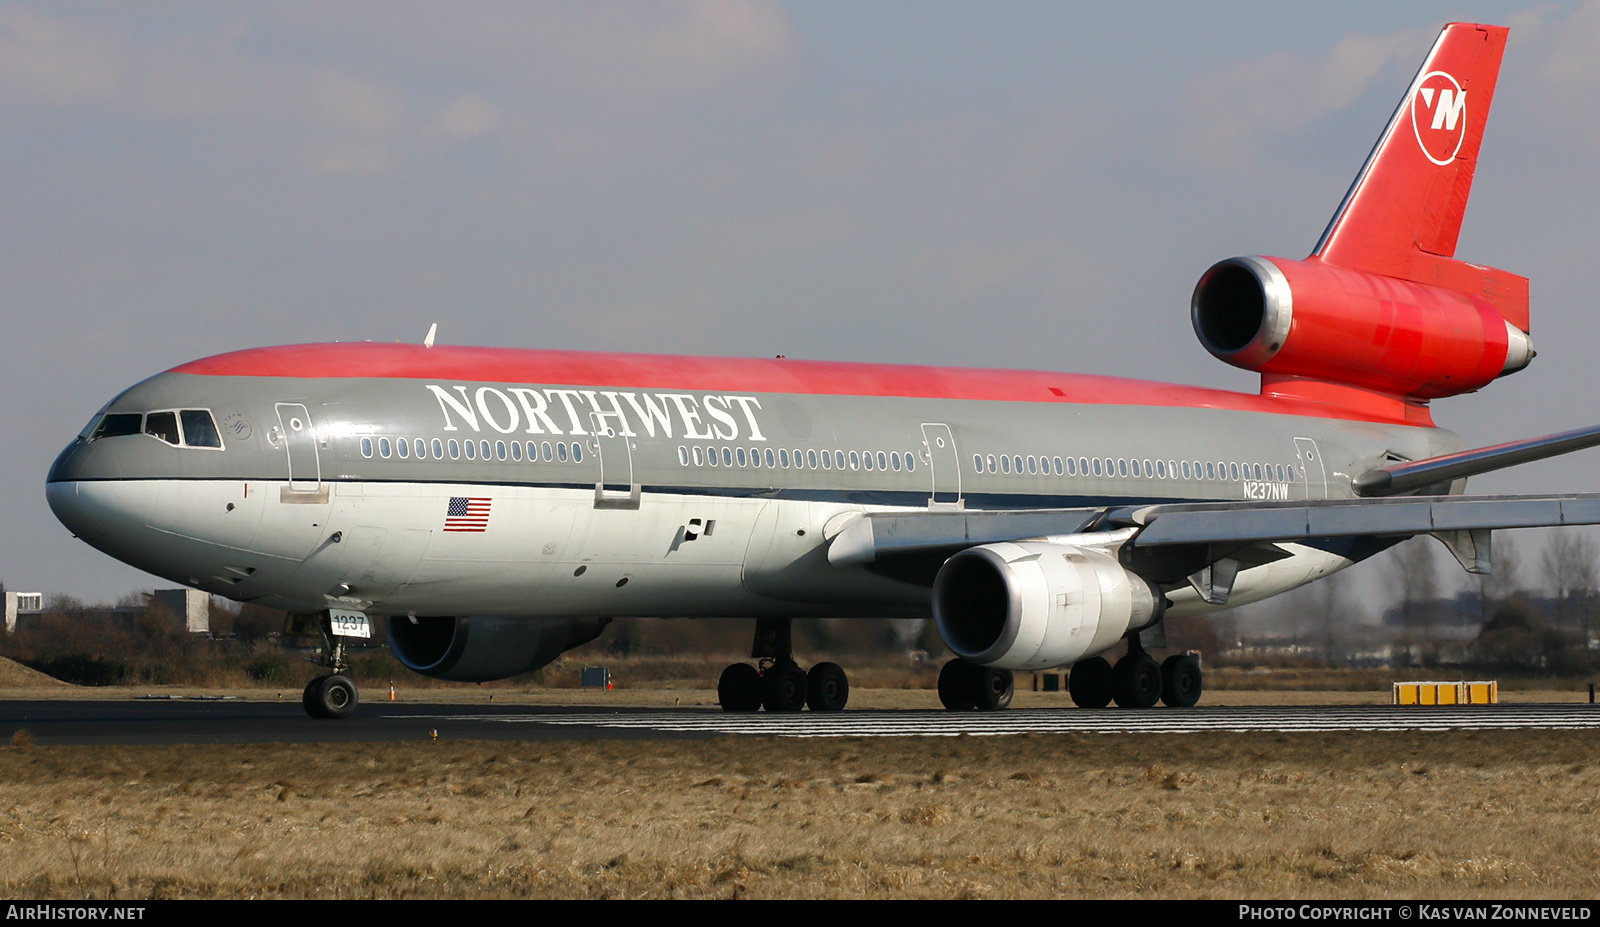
x=1387, y=334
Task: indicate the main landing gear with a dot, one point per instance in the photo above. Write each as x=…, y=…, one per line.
x=1137, y=681
x=967, y=686
x=780, y=685
x=332, y=696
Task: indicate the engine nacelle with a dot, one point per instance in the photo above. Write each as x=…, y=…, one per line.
x=481, y=649
x=1311, y=319
x=1032, y=606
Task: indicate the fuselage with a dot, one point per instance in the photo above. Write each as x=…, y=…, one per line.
x=499, y=482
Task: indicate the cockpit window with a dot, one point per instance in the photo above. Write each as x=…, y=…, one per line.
x=117, y=424
x=163, y=425
x=198, y=429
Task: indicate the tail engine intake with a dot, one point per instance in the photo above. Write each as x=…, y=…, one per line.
x=1312, y=319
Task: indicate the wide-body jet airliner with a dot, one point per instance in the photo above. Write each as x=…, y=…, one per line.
x=498, y=506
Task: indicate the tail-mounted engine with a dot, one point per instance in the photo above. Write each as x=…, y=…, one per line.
x=1312, y=319
x=1030, y=606
x=481, y=649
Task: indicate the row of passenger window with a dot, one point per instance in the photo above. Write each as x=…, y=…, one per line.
x=436, y=449
x=784, y=459
x=177, y=427
x=1112, y=467
x=723, y=456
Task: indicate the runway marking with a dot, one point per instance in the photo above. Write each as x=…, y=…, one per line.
x=1298, y=719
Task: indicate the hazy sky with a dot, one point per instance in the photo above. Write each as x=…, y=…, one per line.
x=996, y=184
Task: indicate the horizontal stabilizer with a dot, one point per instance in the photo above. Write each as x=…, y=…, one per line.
x=1413, y=475
x=1243, y=522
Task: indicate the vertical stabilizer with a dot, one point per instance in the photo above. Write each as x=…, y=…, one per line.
x=1403, y=214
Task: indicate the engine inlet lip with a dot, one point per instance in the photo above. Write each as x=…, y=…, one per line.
x=1002, y=629
x=1273, y=312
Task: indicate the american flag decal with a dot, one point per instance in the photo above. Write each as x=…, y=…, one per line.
x=467, y=513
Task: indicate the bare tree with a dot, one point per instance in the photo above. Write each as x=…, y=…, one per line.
x=1569, y=571
x=1497, y=586
x=1415, y=573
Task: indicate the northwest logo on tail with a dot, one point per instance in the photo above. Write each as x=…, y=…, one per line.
x=1439, y=116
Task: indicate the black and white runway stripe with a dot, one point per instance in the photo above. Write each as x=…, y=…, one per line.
x=1078, y=721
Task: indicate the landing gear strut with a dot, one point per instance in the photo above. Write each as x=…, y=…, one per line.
x=332, y=696
x=780, y=685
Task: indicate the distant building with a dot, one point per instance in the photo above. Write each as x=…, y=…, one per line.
x=21, y=603
x=191, y=606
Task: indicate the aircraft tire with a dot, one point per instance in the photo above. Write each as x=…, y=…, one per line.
x=993, y=689
x=784, y=688
x=1090, y=682
x=956, y=685
x=827, y=687
x=309, y=699
x=1136, y=681
x=739, y=688
x=331, y=697
x=1181, y=681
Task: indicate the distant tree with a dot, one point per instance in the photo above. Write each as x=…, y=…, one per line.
x=1504, y=580
x=1516, y=638
x=1570, y=566
x=1415, y=573
x=254, y=623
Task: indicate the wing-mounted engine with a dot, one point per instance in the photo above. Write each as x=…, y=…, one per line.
x=1315, y=320
x=481, y=649
x=1035, y=605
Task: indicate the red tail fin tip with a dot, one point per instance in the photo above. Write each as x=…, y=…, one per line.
x=1402, y=216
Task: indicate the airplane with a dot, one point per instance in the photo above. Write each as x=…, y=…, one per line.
x=499, y=506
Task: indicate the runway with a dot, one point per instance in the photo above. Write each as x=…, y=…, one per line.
x=207, y=722
x=1300, y=719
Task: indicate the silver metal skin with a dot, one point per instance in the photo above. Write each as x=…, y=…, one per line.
x=1519, y=350
x=253, y=521
x=1276, y=309
x=1032, y=606
x=1415, y=475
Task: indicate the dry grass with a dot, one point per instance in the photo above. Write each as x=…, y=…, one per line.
x=14, y=675
x=1349, y=815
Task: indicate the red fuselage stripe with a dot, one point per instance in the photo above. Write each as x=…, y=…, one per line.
x=727, y=374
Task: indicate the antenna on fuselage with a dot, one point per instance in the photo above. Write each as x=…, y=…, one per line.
x=432, y=330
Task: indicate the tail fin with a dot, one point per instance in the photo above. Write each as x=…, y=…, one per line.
x=1402, y=216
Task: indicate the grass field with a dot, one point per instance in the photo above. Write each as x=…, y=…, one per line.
x=1379, y=815
x=1487, y=815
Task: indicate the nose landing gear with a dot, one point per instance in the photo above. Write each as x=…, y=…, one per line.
x=332, y=696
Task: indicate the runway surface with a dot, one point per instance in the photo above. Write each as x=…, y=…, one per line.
x=203, y=722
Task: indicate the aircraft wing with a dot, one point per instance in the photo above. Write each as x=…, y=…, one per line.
x=872, y=537
x=1224, y=522
x=869, y=538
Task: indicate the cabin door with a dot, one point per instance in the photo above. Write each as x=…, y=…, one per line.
x=1311, y=471
x=300, y=443
x=615, y=488
x=944, y=465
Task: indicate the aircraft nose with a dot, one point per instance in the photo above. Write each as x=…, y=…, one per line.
x=111, y=515
x=84, y=493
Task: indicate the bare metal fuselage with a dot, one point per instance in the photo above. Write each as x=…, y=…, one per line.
x=649, y=497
